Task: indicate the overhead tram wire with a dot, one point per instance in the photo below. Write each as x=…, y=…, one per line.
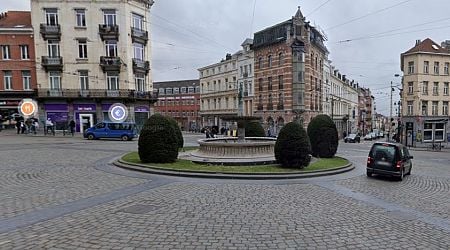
x=368, y=14
x=316, y=9
x=253, y=17
x=193, y=32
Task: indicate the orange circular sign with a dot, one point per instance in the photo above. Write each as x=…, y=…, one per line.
x=27, y=108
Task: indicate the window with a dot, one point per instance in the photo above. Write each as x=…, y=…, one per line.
x=444, y=108
x=138, y=51
x=260, y=84
x=446, y=65
x=191, y=89
x=138, y=21
x=445, y=88
x=280, y=98
x=434, y=108
x=161, y=91
x=7, y=79
x=176, y=90
x=112, y=80
x=51, y=16
x=111, y=48
x=169, y=91
x=53, y=49
x=426, y=66
x=433, y=132
x=436, y=68
x=24, y=52
x=260, y=61
x=410, y=67
x=410, y=88
x=242, y=71
x=54, y=80
x=436, y=88
x=425, y=88
x=84, y=79
x=410, y=107
x=82, y=49
x=183, y=90
x=139, y=80
x=280, y=82
x=269, y=61
x=81, y=17
x=6, y=53
x=26, y=79
x=424, y=107
x=109, y=17
x=270, y=83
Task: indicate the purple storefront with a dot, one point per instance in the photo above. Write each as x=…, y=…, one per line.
x=84, y=116
x=58, y=114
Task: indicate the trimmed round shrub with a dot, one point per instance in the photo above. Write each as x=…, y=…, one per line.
x=178, y=134
x=254, y=129
x=323, y=135
x=157, y=141
x=292, y=148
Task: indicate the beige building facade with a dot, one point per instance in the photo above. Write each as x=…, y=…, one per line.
x=425, y=96
x=219, y=91
x=91, y=54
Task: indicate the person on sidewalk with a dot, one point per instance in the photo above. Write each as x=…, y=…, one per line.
x=72, y=127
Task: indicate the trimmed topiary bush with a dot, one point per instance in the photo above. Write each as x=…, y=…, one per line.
x=178, y=134
x=292, y=148
x=158, y=142
x=254, y=129
x=323, y=135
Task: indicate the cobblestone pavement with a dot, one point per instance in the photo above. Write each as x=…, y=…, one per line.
x=61, y=193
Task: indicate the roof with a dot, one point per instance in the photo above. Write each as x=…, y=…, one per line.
x=15, y=19
x=181, y=83
x=427, y=46
x=247, y=41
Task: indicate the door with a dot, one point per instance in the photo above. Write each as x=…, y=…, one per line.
x=86, y=121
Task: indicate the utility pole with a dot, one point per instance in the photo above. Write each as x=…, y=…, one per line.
x=390, y=114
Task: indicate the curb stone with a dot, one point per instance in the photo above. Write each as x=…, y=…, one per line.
x=220, y=175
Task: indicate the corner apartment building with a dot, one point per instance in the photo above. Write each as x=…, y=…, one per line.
x=340, y=100
x=425, y=99
x=219, y=91
x=366, y=108
x=181, y=101
x=289, y=59
x=246, y=86
x=17, y=62
x=89, y=55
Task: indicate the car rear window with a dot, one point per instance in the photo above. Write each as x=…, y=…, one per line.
x=386, y=151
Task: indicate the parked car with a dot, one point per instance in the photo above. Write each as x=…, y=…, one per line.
x=391, y=159
x=368, y=137
x=125, y=131
x=352, y=138
x=374, y=135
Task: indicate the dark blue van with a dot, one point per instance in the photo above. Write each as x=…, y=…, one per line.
x=125, y=131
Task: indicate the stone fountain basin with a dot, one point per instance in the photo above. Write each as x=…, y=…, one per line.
x=232, y=151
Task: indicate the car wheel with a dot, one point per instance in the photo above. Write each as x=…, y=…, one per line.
x=91, y=137
x=409, y=172
x=402, y=175
x=125, y=138
x=369, y=174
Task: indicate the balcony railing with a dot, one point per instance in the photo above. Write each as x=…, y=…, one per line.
x=139, y=36
x=52, y=63
x=110, y=63
x=98, y=93
x=108, y=32
x=140, y=66
x=50, y=32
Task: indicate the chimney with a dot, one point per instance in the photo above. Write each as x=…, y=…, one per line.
x=418, y=41
x=228, y=57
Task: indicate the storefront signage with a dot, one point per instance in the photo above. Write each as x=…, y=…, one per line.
x=9, y=103
x=141, y=109
x=84, y=107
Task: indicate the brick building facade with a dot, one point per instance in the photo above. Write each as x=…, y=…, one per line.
x=288, y=72
x=17, y=63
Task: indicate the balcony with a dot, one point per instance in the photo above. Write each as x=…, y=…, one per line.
x=140, y=66
x=128, y=94
x=139, y=36
x=110, y=63
x=50, y=32
x=108, y=32
x=52, y=63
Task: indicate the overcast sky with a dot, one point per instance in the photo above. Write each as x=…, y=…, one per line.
x=190, y=34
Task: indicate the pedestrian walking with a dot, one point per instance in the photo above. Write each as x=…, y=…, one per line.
x=18, y=127
x=72, y=127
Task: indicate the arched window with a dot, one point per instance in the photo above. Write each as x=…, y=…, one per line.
x=280, y=59
x=269, y=61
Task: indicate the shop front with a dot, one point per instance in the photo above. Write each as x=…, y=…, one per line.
x=141, y=114
x=84, y=116
x=8, y=113
x=58, y=114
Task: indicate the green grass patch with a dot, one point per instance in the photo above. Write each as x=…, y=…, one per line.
x=186, y=165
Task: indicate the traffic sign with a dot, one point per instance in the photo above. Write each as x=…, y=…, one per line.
x=118, y=112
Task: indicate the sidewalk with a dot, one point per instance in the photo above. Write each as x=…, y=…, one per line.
x=40, y=133
x=421, y=146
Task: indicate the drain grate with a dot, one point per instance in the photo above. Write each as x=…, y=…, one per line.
x=139, y=209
